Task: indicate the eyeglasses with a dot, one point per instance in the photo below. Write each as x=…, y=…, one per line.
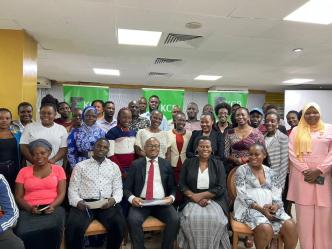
x=153, y=146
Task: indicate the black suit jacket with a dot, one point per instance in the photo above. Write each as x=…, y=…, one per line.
x=136, y=177
x=217, y=142
x=217, y=180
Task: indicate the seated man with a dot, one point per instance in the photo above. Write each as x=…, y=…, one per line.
x=94, y=179
x=8, y=217
x=149, y=178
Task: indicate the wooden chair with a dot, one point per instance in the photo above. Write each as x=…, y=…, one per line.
x=239, y=228
x=95, y=228
x=153, y=224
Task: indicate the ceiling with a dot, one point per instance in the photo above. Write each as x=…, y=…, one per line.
x=245, y=41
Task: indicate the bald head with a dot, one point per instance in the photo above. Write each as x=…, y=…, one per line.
x=152, y=147
x=134, y=108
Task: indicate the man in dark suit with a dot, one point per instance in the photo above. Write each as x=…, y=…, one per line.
x=151, y=178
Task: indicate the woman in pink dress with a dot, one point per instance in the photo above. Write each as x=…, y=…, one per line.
x=310, y=152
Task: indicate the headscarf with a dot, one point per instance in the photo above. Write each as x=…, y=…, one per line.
x=302, y=142
x=85, y=110
x=40, y=143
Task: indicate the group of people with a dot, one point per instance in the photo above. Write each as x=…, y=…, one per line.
x=120, y=171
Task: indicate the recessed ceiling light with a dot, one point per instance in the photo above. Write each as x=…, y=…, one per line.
x=104, y=71
x=297, y=50
x=314, y=11
x=138, y=37
x=208, y=77
x=193, y=25
x=297, y=81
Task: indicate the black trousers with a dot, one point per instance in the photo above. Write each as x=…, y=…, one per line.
x=166, y=214
x=78, y=221
x=9, y=240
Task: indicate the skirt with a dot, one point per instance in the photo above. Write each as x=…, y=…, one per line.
x=41, y=231
x=203, y=227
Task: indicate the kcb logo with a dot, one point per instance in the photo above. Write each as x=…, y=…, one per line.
x=166, y=108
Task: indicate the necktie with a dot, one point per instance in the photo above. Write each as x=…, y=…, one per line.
x=149, y=184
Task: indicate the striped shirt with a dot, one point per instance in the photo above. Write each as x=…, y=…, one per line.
x=7, y=205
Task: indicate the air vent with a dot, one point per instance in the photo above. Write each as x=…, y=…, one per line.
x=152, y=74
x=173, y=38
x=166, y=60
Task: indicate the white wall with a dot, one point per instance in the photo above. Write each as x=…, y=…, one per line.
x=296, y=99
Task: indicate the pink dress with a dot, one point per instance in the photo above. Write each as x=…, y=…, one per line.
x=40, y=191
x=304, y=193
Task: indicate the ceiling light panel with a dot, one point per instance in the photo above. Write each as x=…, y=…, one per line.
x=105, y=71
x=314, y=11
x=297, y=81
x=138, y=37
x=208, y=77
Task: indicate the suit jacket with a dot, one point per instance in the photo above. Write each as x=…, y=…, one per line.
x=217, y=180
x=217, y=142
x=278, y=155
x=136, y=178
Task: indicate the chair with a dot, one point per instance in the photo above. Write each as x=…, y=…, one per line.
x=95, y=228
x=153, y=224
x=239, y=228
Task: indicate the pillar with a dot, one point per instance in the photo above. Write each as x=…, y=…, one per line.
x=18, y=69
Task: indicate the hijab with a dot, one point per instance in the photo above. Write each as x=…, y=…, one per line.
x=302, y=143
x=84, y=125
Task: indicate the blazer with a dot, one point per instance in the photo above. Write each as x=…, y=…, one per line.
x=217, y=142
x=278, y=155
x=136, y=178
x=217, y=180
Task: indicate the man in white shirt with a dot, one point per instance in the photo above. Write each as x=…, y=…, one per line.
x=95, y=179
x=151, y=178
x=25, y=116
x=107, y=122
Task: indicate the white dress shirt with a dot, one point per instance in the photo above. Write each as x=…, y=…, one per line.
x=203, y=179
x=105, y=125
x=158, y=189
x=91, y=180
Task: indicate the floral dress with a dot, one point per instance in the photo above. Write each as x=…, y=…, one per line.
x=250, y=191
x=81, y=142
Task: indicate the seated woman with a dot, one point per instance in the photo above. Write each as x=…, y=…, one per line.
x=258, y=203
x=40, y=189
x=203, y=219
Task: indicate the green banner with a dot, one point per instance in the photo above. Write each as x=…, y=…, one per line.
x=230, y=97
x=82, y=96
x=168, y=98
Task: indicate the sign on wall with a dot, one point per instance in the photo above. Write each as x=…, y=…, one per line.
x=168, y=98
x=230, y=97
x=82, y=96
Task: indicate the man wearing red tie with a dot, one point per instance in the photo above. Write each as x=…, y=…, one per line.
x=151, y=178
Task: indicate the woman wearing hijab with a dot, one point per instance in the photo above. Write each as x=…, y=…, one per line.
x=310, y=185
x=82, y=139
x=40, y=190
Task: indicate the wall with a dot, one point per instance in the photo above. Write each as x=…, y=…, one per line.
x=121, y=97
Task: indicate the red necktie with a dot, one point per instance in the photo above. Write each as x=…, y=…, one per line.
x=149, y=184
